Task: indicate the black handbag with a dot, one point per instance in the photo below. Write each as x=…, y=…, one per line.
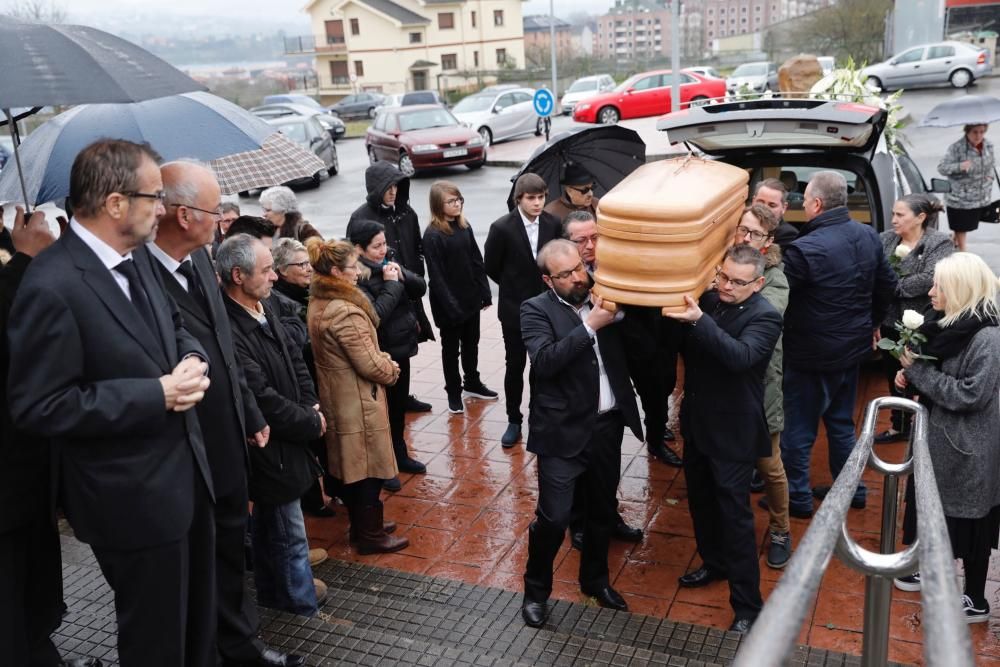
x=991, y=212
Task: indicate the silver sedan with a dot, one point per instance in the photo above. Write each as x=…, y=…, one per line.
x=926, y=65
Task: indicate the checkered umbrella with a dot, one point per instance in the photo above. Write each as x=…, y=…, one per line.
x=278, y=161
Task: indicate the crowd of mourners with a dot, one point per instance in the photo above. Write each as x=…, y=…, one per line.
x=183, y=383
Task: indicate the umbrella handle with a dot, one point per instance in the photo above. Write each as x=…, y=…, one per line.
x=15, y=136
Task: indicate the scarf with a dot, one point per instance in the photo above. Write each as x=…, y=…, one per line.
x=946, y=342
x=298, y=294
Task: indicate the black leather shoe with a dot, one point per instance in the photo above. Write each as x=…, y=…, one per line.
x=819, y=492
x=797, y=512
x=534, y=613
x=700, y=577
x=664, y=454
x=607, y=597
x=887, y=436
x=741, y=625
x=392, y=484
x=415, y=405
x=270, y=657
x=576, y=540
x=412, y=466
x=511, y=435
x=82, y=662
x=668, y=434
x=627, y=533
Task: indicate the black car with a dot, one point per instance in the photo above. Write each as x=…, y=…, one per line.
x=360, y=105
x=308, y=133
x=790, y=139
x=330, y=123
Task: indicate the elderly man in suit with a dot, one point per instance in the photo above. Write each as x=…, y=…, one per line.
x=228, y=415
x=581, y=401
x=509, y=255
x=731, y=335
x=577, y=193
x=114, y=390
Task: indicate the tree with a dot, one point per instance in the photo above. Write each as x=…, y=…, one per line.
x=41, y=11
x=848, y=28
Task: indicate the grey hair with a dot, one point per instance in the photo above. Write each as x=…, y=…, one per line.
x=575, y=216
x=236, y=252
x=747, y=255
x=279, y=199
x=228, y=206
x=184, y=191
x=283, y=252
x=555, y=247
x=830, y=188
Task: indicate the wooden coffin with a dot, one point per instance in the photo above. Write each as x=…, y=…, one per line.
x=664, y=229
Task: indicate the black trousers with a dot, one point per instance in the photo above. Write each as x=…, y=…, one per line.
x=238, y=622
x=719, y=502
x=460, y=340
x=890, y=366
x=516, y=358
x=395, y=398
x=363, y=493
x=165, y=595
x=598, y=468
x=31, y=602
x=654, y=381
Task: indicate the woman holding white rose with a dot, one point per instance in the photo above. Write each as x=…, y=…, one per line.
x=915, y=246
x=960, y=388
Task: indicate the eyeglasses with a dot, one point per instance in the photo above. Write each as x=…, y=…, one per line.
x=754, y=234
x=722, y=279
x=456, y=200
x=585, y=240
x=217, y=212
x=563, y=275
x=303, y=264
x=585, y=190
x=162, y=196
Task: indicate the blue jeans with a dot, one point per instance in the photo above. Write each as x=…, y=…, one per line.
x=810, y=396
x=281, y=559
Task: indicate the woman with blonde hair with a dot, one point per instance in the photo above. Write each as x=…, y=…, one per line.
x=960, y=386
x=459, y=290
x=351, y=375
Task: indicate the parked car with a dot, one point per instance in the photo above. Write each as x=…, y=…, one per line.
x=585, y=87
x=308, y=133
x=498, y=87
x=360, y=105
x=6, y=150
x=390, y=101
x=499, y=115
x=423, y=136
x=293, y=98
x=791, y=139
x=421, y=97
x=705, y=71
x=935, y=64
x=647, y=94
x=330, y=123
x=758, y=76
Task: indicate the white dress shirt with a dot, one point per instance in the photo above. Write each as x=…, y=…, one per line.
x=170, y=264
x=109, y=256
x=532, y=229
x=606, y=400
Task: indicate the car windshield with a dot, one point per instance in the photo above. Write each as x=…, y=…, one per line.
x=750, y=69
x=474, y=103
x=294, y=131
x=424, y=119
x=582, y=86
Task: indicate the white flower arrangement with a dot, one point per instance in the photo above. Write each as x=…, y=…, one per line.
x=847, y=84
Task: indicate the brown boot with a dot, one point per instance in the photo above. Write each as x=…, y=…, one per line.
x=372, y=537
x=387, y=526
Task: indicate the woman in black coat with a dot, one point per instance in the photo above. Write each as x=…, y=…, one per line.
x=392, y=290
x=459, y=290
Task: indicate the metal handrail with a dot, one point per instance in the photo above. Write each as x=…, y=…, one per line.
x=947, y=642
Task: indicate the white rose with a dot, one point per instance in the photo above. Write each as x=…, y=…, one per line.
x=912, y=319
x=902, y=251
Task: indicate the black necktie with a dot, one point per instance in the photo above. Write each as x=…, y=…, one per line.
x=186, y=269
x=139, y=299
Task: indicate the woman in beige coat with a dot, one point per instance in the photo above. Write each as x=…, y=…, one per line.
x=351, y=375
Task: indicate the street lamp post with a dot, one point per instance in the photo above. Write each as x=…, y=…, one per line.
x=675, y=56
x=552, y=45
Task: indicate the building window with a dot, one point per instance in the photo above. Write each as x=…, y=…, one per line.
x=359, y=68
x=501, y=56
x=475, y=58
x=711, y=22
x=355, y=28
x=473, y=19
x=498, y=17
x=338, y=73
x=334, y=32
x=743, y=20
x=446, y=20
x=416, y=38
x=757, y=8
x=449, y=61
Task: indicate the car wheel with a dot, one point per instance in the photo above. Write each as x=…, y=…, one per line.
x=371, y=112
x=486, y=136
x=371, y=155
x=608, y=116
x=406, y=165
x=472, y=166
x=317, y=179
x=873, y=83
x=699, y=101
x=335, y=167
x=961, y=78
x=539, y=127
x=244, y=194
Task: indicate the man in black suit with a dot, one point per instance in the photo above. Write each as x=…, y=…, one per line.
x=228, y=415
x=726, y=348
x=581, y=400
x=101, y=364
x=509, y=255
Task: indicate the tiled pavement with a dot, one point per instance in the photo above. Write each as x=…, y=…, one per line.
x=467, y=524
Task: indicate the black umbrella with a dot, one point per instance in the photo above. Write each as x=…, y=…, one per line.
x=75, y=64
x=608, y=152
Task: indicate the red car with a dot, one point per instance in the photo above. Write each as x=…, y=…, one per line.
x=646, y=94
x=423, y=136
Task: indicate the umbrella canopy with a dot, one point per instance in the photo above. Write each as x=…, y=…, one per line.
x=965, y=110
x=193, y=125
x=278, y=161
x=608, y=152
x=75, y=64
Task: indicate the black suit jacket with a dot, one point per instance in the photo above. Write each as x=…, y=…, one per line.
x=228, y=413
x=84, y=374
x=725, y=356
x=565, y=390
x=511, y=264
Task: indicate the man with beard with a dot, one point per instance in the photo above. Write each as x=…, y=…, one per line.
x=581, y=400
x=105, y=369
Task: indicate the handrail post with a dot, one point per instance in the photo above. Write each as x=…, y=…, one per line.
x=878, y=589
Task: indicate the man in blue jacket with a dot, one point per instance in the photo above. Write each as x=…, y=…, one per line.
x=840, y=284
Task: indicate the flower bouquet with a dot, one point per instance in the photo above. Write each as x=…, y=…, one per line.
x=909, y=337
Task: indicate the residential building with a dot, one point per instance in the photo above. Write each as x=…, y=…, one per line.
x=639, y=30
x=727, y=18
x=538, y=38
x=393, y=46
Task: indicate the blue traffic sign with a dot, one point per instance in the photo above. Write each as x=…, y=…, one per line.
x=544, y=102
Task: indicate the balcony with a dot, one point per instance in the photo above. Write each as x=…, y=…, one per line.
x=312, y=44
